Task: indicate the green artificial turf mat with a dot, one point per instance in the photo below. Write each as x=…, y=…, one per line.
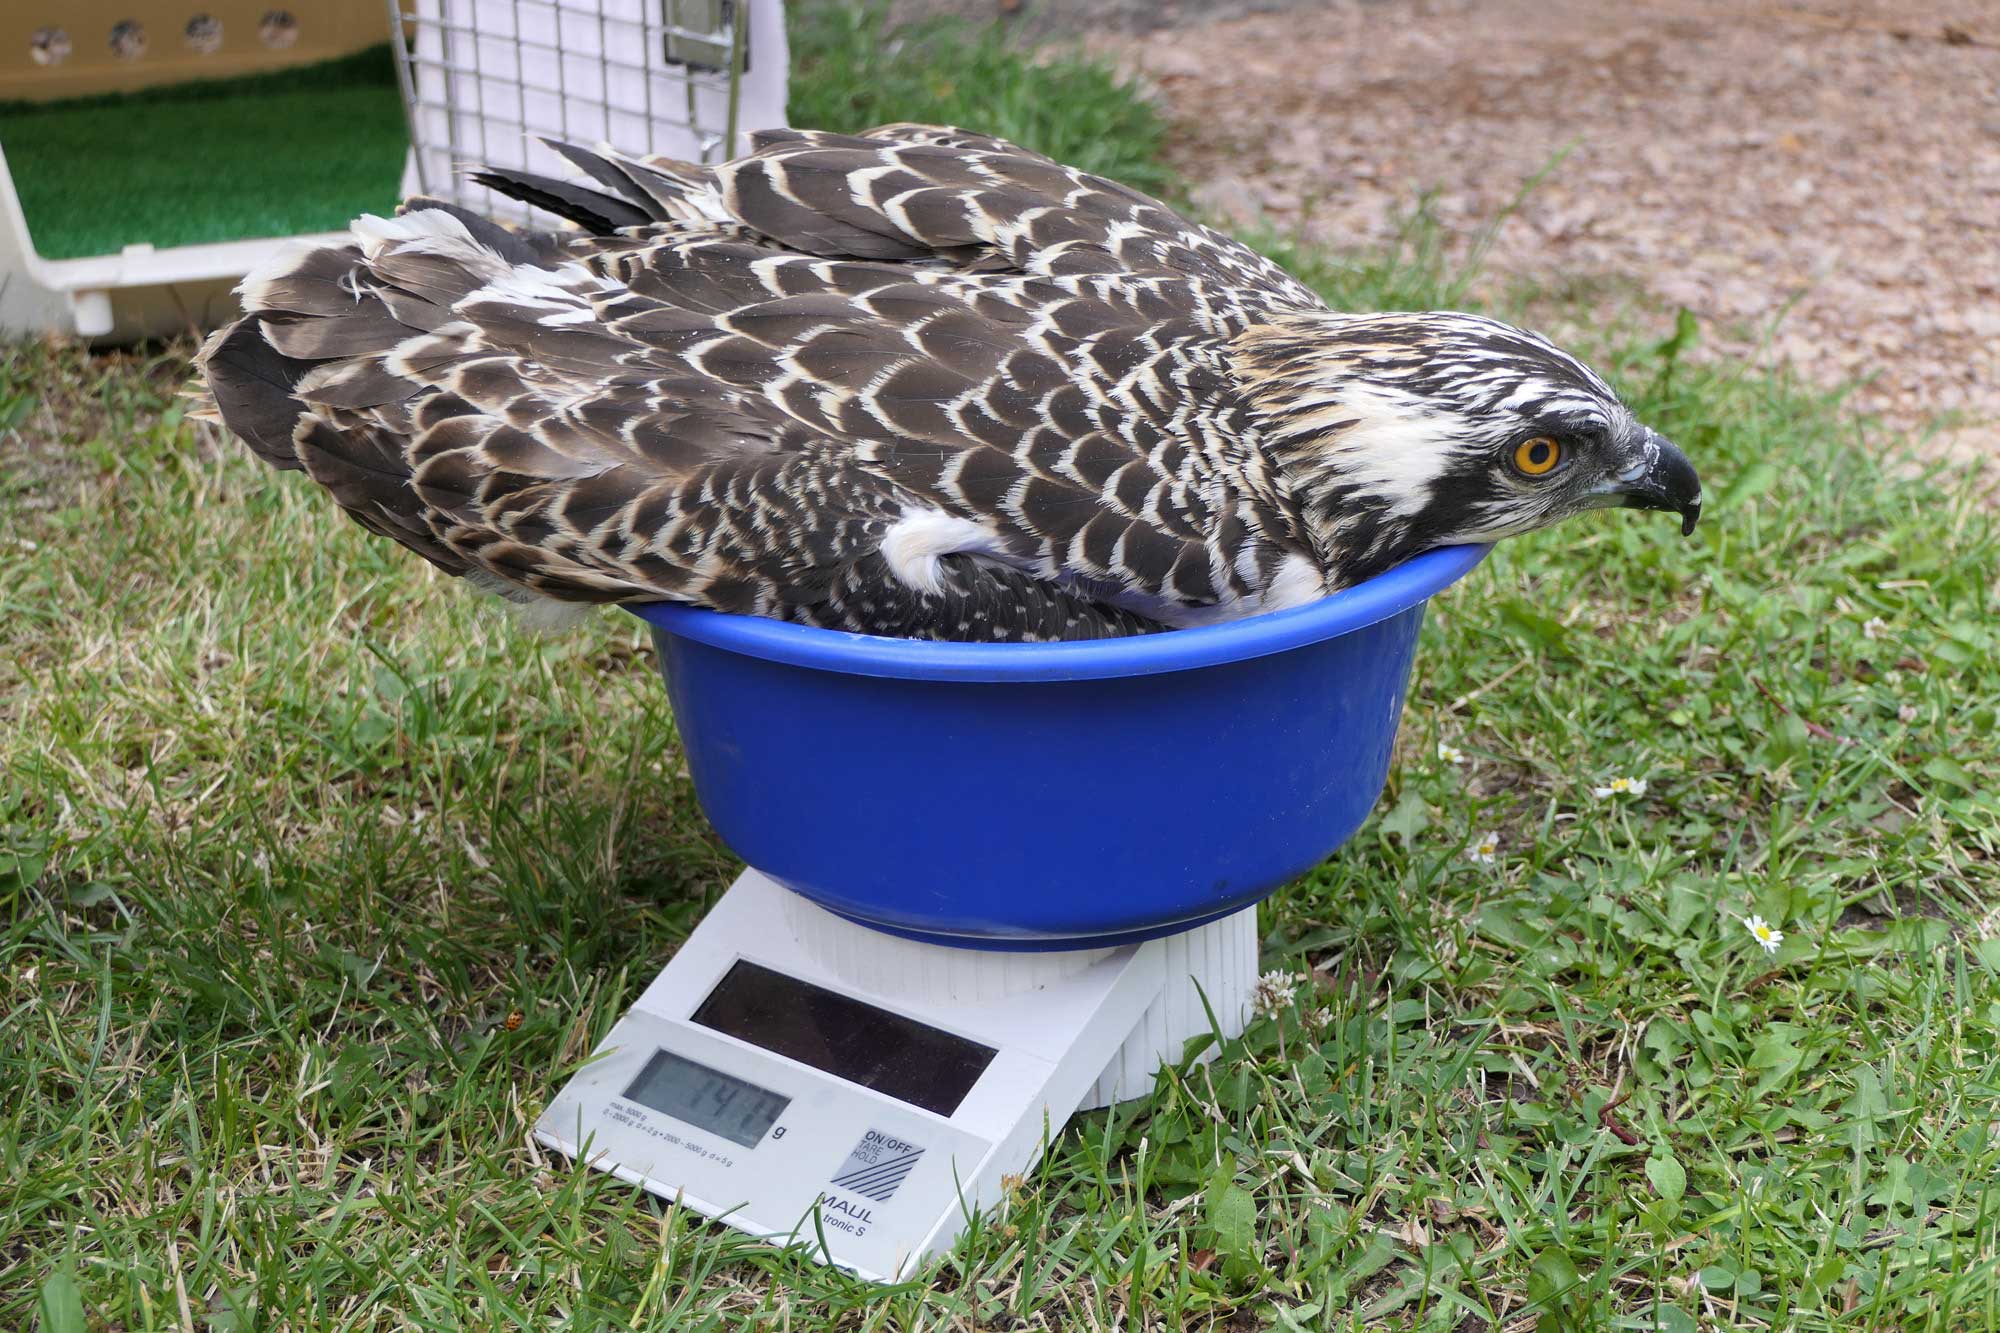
x=280, y=154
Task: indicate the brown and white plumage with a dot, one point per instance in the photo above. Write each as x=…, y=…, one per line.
x=916, y=382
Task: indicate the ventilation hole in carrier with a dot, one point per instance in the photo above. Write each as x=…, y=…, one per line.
x=128, y=39
x=278, y=29
x=48, y=46
x=204, y=34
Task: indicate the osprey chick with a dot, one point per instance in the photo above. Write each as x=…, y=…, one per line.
x=916, y=382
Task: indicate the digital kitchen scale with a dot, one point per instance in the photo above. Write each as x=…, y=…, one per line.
x=822, y=1084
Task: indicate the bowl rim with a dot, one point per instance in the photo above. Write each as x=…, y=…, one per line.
x=1387, y=594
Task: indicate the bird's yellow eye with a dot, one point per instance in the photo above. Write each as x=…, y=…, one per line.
x=1538, y=456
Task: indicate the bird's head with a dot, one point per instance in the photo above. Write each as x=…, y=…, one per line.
x=1406, y=431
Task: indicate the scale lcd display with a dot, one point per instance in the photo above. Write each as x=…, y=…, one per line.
x=707, y=1098
x=845, y=1037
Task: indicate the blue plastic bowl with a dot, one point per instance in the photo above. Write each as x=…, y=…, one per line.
x=1047, y=796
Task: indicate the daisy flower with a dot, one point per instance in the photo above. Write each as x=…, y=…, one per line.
x=1450, y=753
x=1768, y=936
x=1484, y=848
x=1633, y=787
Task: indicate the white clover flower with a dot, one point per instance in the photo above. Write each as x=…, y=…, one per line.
x=1320, y=1017
x=1450, y=753
x=1768, y=936
x=1873, y=627
x=1484, y=848
x=1907, y=713
x=1274, y=990
x=1633, y=787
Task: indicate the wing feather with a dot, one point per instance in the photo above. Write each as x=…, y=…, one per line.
x=739, y=380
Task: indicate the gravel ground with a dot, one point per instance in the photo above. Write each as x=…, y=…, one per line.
x=1823, y=181
x=1042, y=19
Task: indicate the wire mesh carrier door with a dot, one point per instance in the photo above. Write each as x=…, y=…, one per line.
x=485, y=80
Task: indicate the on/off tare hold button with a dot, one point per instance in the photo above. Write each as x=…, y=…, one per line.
x=878, y=1164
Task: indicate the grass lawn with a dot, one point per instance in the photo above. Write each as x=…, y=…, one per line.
x=291, y=831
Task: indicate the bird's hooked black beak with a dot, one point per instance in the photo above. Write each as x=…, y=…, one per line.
x=1662, y=478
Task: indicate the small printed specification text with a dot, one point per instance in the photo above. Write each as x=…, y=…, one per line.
x=625, y=1115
